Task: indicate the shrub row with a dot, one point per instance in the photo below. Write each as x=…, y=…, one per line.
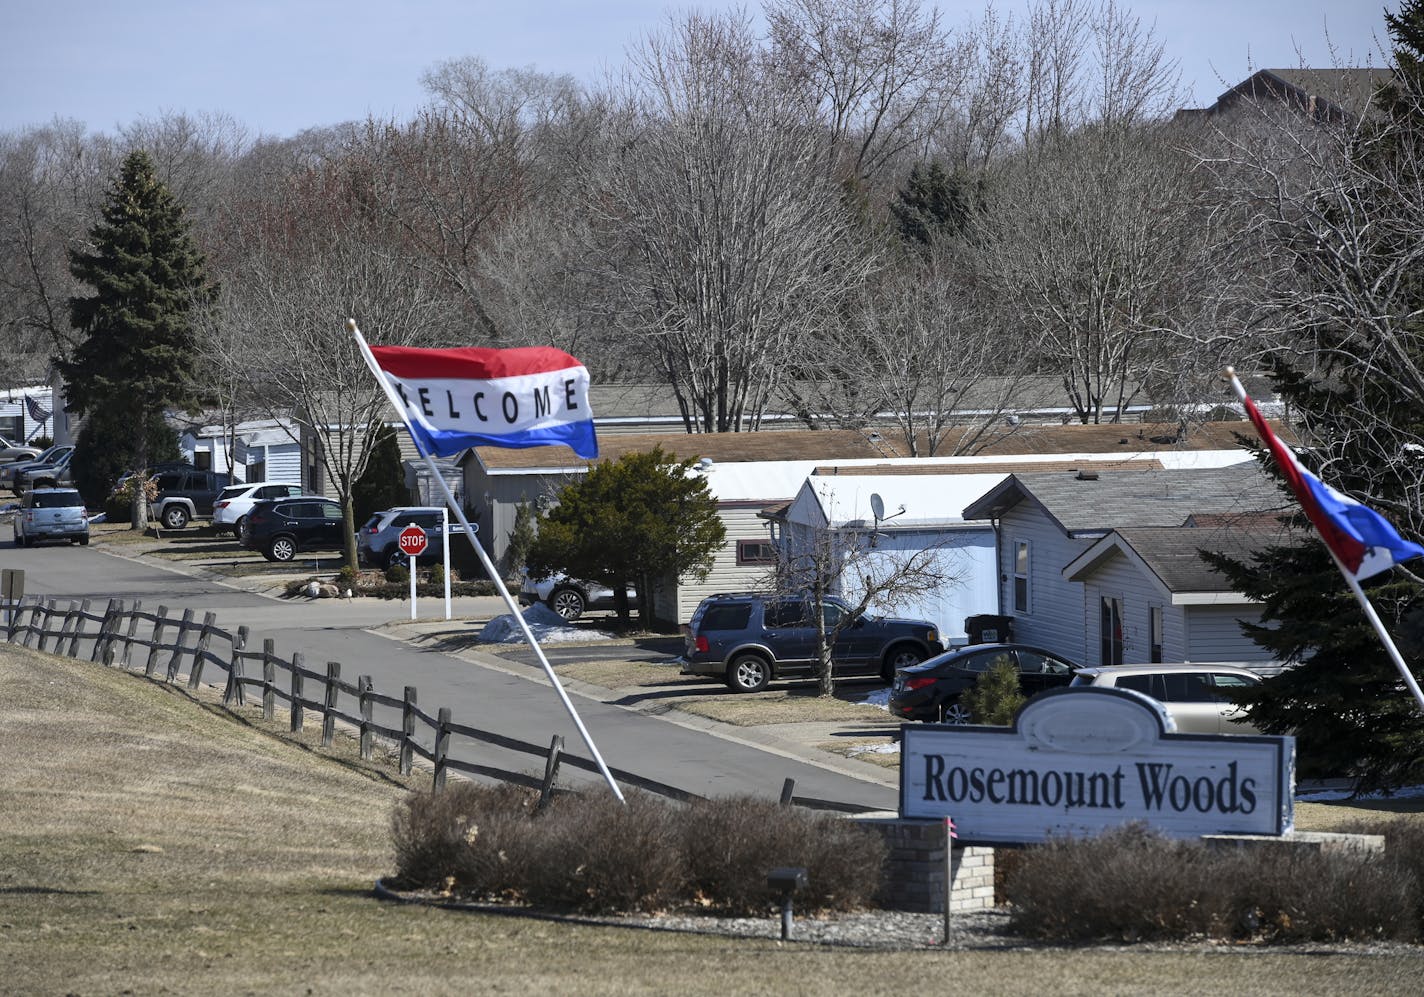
x=593, y=854
x=1133, y=884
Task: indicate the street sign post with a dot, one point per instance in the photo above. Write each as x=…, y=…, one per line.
x=412, y=542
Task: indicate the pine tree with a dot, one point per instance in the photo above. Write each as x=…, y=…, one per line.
x=935, y=202
x=382, y=486
x=139, y=352
x=1343, y=699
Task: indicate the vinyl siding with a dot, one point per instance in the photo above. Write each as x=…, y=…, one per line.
x=741, y=523
x=1215, y=635
x=1055, y=620
x=1119, y=577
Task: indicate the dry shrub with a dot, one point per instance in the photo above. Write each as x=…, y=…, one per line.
x=457, y=834
x=732, y=843
x=1134, y=884
x=595, y=854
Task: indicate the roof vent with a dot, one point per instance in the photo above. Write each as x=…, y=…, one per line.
x=1087, y=475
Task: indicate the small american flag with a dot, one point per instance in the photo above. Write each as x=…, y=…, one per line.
x=37, y=411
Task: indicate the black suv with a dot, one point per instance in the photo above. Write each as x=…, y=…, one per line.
x=282, y=528
x=748, y=639
x=184, y=494
x=930, y=691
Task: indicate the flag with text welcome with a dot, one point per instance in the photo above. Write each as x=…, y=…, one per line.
x=530, y=396
x=1364, y=541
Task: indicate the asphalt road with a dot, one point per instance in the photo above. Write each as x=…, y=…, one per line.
x=496, y=694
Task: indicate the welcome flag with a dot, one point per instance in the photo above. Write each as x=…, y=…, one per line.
x=530, y=396
x=1362, y=540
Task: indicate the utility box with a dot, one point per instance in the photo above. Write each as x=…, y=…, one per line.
x=986, y=628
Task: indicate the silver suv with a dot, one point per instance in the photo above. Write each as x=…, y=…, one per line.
x=748, y=639
x=569, y=597
x=51, y=514
x=1195, y=695
x=378, y=541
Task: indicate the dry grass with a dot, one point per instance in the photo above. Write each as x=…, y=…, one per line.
x=151, y=844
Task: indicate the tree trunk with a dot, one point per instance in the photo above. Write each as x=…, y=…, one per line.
x=138, y=512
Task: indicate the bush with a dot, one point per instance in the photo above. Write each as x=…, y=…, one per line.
x=1133, y=884
x=594, y=854
x=118, y=504
x=398, y=574
x=995, y=697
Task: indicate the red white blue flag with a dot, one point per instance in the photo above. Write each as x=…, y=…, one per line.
x=530, y=396
x=1364, y=542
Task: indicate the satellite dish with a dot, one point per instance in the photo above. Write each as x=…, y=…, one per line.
x=877, y=506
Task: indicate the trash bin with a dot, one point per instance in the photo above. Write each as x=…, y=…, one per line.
x=987, y=628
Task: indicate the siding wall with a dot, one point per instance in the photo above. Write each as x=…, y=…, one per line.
x=1055, y=620
x=1214, y=635
x=1119, y=577
x=741, y=523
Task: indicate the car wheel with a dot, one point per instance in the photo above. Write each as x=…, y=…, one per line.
x=84, y=541
x=568, y=603
x=282, y=549
x=239, y=527
x=396, y=557
x=748, y=673
x=955, y=713
x=900, y=656
x=175, y=517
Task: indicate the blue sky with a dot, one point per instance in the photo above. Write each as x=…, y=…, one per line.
x=279, y=66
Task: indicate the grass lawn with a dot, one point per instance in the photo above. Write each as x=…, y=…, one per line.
x=151, y=842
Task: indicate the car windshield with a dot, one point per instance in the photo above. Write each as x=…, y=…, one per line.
x=234, y=491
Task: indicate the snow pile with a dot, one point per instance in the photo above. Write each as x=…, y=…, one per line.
x=1331, y=795
x=880, y=698
x=547, y=626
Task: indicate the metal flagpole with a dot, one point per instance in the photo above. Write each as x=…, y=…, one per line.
x=484, y=558
x=1230, y=375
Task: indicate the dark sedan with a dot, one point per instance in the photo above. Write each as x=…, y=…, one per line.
x=930, y=690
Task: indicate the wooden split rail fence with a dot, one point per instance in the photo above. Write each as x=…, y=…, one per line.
x=180, y=649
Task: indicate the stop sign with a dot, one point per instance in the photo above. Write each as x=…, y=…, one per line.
x=412, y=541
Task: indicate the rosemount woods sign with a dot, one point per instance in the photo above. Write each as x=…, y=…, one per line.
x=1082, y=761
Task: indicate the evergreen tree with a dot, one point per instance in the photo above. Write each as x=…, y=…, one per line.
x=1343, y=699
x=382, y=486
x=139, y=352
x=642, y=519
x=104, y=450
x=934, y=202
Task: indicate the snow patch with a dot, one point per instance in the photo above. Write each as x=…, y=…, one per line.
x=880, y=698
x=1330, y=795
x=547, y=626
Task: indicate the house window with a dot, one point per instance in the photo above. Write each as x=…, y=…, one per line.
x=1110, y=630
x=1154, y=630
x=203, y=460
x=755, y=552
x=1021, y=602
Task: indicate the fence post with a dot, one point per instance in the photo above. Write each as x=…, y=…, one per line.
x=184, y=626
x=297, y=713
x=106, y=633
x=551, y=770
x=129, y=635
x=200, y=653
x=44, y=627
x=269, y=680
x=363, y=687
x=442, y=746
x=788, y=788
x=158, y=625
x=34, y=627
x=328, y=715
x=235, y=687
x=407, y=730
x=80, y=618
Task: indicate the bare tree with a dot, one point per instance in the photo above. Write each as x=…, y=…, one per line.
x=875, y=74
x=308, y=261
x=726, y=238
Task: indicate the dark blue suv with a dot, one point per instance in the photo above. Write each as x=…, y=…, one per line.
x=748, y=639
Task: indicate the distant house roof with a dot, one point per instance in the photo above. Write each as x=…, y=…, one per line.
x=1087, y=504
x=834, y=445
x=1320, y=94
x=1171, y=555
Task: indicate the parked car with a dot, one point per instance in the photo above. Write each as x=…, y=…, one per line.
x=51, y=514
x=10, y=451
x=57, y=473
x=10, y=473
x=1195, y=695
x=377, y=542
x=930, y=691
x=569, y=597
x=748, y=639
x=283, y=528
x=233, y=503
x=184, y=494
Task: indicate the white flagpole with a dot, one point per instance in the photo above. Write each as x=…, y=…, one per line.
x=484, y=558
x=1230, y=375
